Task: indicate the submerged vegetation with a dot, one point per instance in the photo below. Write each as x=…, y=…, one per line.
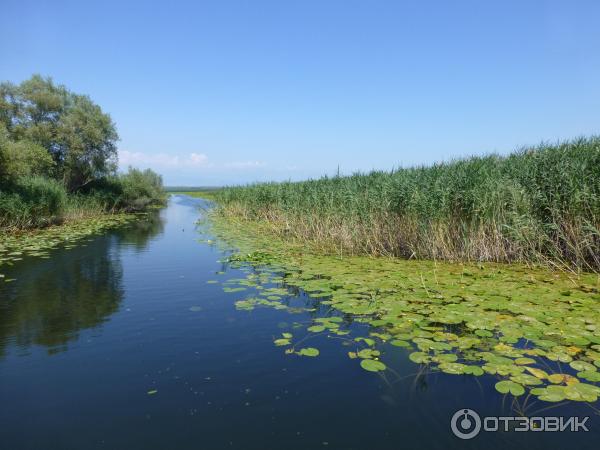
x=58, y=159
x=537, y=332
x=539, y=204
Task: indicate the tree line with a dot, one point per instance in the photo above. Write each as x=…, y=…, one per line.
x=58, y=151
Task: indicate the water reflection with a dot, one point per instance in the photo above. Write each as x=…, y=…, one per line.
x=139, y=233
x=53, y=299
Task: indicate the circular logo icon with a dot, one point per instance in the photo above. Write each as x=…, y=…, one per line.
x=465, y=424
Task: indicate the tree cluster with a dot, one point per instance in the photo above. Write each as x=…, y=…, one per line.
x=47, y=130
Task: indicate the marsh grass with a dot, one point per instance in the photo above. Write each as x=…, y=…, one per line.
x=539, y=204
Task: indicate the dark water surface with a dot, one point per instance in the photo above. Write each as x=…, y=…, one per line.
x=87, y=334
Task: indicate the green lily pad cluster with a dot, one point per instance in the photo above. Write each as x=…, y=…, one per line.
x=534, y=330
x=286, y=341
x=328, y=324
x=369, y=359
x=15, y=246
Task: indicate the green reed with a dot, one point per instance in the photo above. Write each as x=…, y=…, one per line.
x=537, y=204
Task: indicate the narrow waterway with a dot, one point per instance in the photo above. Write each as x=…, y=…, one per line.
x=123, y=342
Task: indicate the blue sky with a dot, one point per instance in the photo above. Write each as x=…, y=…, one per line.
x=226, y=92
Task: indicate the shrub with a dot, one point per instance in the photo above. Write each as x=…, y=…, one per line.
x=32, y=202
x=141, y=189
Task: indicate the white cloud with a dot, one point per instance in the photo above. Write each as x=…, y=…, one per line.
x=244, y=164
x=198, y=159
x=164, y=161
x=161, y=160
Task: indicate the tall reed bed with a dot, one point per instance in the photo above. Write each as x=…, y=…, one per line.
x=539, y=204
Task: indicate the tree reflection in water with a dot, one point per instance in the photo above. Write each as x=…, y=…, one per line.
x=52, y=299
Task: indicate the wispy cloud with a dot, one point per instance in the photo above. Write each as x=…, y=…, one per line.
x=244, y=164
x=160, y=161
x=127, y=158
x=198, y=159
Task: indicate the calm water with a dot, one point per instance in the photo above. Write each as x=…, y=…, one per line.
x=86, y=334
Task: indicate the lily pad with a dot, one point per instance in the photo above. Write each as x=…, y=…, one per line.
x=559, y=378
x=452, y=368
x=308, y=351
x=419, y=357
x=399, y=343
x=473, y=370
x=589, y=375
x=550, y=393
x=507, y=386
x=538, y=373
x=372, y=366
x=581, y=366
x=368, y=353
x=582, y=392
x=524, y=361
x=500, y=319
x=525, y=379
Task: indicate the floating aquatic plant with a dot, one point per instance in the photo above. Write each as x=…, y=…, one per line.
x=37, y=243
x=308, y=351
x=372, y=365
x=514, y=323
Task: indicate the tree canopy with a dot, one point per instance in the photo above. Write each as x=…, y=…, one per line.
x=78, y=136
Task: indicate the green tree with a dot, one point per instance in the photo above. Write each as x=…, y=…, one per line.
x=22, y=159
x=88, y=137
x=80, y=138
x=141, y=188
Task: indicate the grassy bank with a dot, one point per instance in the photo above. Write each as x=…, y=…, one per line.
x=538, y=204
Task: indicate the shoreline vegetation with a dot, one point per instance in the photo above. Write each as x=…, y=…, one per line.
x=539, y=205
x=531, y=329
x=58, y=161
